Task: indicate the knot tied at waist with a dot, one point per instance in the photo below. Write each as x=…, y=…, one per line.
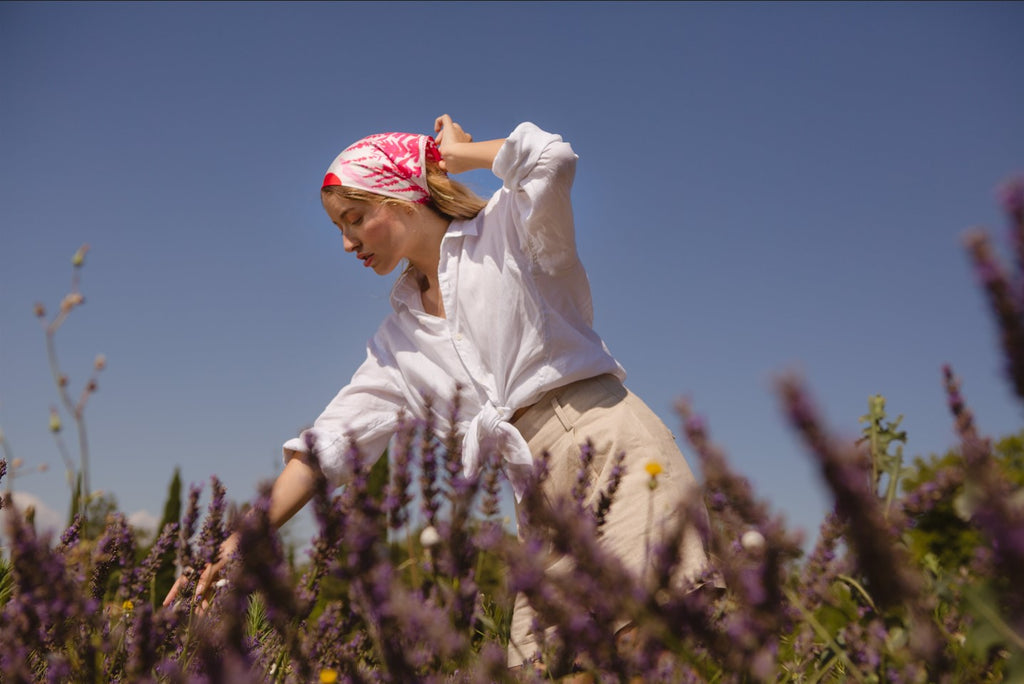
x=491, y=429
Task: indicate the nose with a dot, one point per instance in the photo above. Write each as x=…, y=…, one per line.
x=350, y=244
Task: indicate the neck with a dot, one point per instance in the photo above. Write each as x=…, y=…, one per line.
x=427, y=254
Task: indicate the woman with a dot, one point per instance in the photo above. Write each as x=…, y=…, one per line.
x=494, y=300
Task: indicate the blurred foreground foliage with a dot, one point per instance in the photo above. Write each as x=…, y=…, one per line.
x=914, y=576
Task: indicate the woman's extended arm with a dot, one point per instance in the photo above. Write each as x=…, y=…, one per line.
x=458, y=151
x=292, y=489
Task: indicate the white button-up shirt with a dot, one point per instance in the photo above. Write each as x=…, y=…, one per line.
x=519, y=317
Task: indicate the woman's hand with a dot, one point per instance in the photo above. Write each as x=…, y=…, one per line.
x=448, y=135
x=458, y=151
x=292, y=489
x=207, y=581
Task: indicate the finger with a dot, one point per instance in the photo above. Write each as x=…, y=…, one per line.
x=205, y=580
x=459, y=134
x=173, y=593
x=441, y=122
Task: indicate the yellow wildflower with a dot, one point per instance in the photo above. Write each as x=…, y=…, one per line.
x=328, y=676
x=653, y=469
x=127, y=606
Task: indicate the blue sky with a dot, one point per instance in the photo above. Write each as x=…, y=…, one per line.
x=762, y=188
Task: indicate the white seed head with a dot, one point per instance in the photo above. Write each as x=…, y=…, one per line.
x=429, y=537
x=752, y=540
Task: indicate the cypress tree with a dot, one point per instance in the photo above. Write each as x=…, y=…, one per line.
x=172, y=514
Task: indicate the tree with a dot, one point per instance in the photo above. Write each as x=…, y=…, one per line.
x=172, y=514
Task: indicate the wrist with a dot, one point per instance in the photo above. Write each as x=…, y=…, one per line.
x=468, y=156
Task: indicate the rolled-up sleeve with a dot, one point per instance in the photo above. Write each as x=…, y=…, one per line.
x=364, y=414
x=537, y=170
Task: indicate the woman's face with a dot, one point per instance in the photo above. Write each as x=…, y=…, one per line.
x=378, y=234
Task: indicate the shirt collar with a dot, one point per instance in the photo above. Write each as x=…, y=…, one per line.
x=406, y=292
x=459, y=228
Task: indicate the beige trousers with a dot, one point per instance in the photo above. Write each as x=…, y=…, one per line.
x=615, y=420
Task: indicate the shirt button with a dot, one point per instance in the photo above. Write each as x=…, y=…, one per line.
x=458, y=337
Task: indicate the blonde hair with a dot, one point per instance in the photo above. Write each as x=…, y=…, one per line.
x=449, y=198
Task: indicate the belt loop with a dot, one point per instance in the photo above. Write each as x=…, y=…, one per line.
x=560, y=412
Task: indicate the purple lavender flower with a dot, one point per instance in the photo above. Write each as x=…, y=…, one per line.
x=576, y=600
x=115, y=548
x=331, y=519
x=429, y=491
x=46, y=609
x=822, y=566
x=758, y=567
x=1005, y=299
x=580, y=487
x=1011, y=196
x=213, y=534
x=136, y=581
x=992, y=508
x=452, y=438
x=184, y=553
x=69, y=538
x=607, y=496
x=58, y=670
x=847, y=474
x=399, y=496
x=490, y=505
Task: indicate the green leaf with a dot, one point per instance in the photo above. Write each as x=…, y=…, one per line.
x=6, y=582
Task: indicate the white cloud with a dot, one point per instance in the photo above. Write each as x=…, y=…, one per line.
x=144, y=521
x=47, y=520
x=50, y=521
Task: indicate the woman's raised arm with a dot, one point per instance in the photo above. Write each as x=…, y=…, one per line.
x=458, y=151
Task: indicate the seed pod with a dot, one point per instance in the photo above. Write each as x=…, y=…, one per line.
x=79, y=258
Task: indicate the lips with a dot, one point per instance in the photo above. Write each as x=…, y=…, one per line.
x=367, y=259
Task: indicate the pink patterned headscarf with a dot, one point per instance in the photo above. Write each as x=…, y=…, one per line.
x=389, y=164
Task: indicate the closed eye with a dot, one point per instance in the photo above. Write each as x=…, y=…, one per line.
x=351, y=217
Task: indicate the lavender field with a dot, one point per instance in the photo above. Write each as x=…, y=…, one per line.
x=914, y=576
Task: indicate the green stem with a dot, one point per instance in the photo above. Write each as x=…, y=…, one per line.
x=996, y=621
x=824, y=635
x=860, y=589
x=71, y=408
